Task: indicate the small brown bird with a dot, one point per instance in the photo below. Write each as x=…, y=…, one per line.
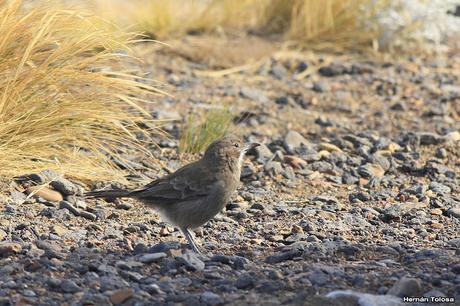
x=195, y=193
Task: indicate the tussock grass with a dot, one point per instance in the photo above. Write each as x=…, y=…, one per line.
x=200, y=129
x=61, y=105
x=335, y=24
x=315, y=24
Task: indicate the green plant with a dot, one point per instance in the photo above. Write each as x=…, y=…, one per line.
x=200, y=130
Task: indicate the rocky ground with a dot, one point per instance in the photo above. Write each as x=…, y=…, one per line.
x=353, y=198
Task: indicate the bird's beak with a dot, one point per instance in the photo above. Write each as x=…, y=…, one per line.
x=252, y=145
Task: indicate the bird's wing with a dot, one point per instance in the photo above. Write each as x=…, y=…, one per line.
x=190, y=182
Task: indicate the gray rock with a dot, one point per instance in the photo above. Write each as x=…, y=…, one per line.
x=67, y=205
x=44, y=176
x=439, y=188
x=253, y=94
x=165, y=246
x=429, y=138
x=210, y=298
x=263, y=153
x=87, y=215
x=293, y=141
x=152, y=257
x=321, y=87
x=18, y=197
x=406, y=286
x=283, y=256
x=65, y=186
x=328, y=202
x=332, y=70
x=364, y=299
x=273, y=168
x=454, y=212
x=69, y=286
x=245, y=281
x=191, y=261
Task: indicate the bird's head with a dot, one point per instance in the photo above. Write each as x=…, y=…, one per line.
x=228, y=149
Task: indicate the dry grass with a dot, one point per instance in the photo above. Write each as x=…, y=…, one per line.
x=201, y=128
x=58, y=108
x=315, y=24
x=335, y=24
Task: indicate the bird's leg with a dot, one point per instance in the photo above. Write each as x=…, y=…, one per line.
x=190, y=240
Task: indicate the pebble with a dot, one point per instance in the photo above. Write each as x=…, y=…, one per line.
x=67, y=205
x=152, y=257
x=253, y=94
x=263, y=153
x=119, y=296
x=69, y=286
x=295, y=162
x=293, y=141
x=45, y=193
x=65, y=186
x=371, y=170
x=282, y=256
x=9, y=248
x=406, y=286
x=210, y=298
x=191, y=261
x=454, y=212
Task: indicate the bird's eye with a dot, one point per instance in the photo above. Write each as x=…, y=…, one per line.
x=237, y=145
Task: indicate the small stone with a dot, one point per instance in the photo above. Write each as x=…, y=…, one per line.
x=406, y=286
x=64, y=186
x=439, y=188
x=293, y=140
x=87, y=215
x=9, y=248
x=253, y=94
x=263, y=153
x=69, y=286
x=210, y=298
x=245, y=281
x=321, y=87
x=124, y=206
x=436, y=225
x=452, y=136
x=454, y=212
x=441, y=153
x=121, y=295
x=273, y=168
x=329, y=147
x=59, y=230
x=282, y=256
x=45, y=193
x=296, y=229
x=328, y=202
x=152, y=257
x=436, y=212
x=429, y=138
x=332, y=70
x=371, y=170
x=257, y=206
x=295, y=162
x=67, y=205
x=3, y=234
x=18, y=197
x=191, y=261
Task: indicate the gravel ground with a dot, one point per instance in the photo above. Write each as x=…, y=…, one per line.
x=353, y=199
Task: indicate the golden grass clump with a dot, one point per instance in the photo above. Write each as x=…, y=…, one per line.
x=202, y=128
x=335, y=24
x=61, y=105
x=315, y=24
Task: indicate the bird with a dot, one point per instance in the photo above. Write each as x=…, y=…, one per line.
x=195, y=193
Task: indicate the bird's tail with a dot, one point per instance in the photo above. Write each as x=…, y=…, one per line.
x=108, y=194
